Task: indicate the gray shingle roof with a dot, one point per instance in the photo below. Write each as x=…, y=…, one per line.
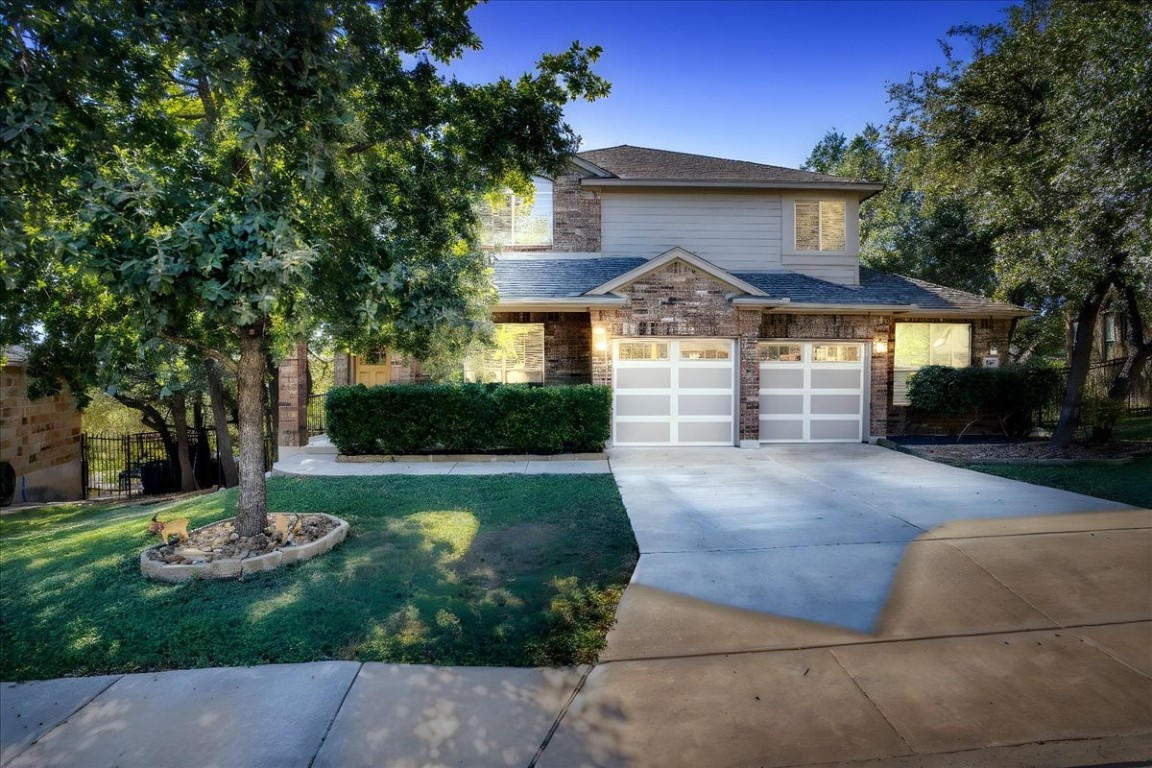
x=633, y=163
x=880, y=288
x=544, y=277
x=551, y=277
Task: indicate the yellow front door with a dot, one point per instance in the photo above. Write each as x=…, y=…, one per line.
x=374, y=373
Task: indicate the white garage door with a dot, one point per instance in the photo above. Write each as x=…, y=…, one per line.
x=673, y=392
x=811, y=391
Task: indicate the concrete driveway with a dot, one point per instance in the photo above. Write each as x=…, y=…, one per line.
x=812, y=532
x=848, y=606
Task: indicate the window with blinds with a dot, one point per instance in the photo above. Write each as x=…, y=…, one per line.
x=821, y=225
x=516, y=356
x=921, y=344
x=509, y=219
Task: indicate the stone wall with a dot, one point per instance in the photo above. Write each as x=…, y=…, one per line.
x=567, y=344
x=40, y=439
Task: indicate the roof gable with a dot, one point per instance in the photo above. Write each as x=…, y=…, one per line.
x=677, y=254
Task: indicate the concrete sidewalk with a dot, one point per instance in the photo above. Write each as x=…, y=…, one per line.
x=1002, y=642
x=305, y=463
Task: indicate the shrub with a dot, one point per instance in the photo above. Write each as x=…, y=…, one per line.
x=1100, y=416
x=468, y=418
x=1011, y=395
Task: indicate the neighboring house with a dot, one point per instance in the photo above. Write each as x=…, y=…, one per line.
x=39, y=438
x=722, y=301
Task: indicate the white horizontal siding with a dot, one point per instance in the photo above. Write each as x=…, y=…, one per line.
x=737, y=232
x=842, y=270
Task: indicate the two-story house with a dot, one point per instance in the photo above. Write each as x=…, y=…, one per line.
x=722, y=301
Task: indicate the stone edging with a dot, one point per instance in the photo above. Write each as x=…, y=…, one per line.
x=231, y=568
x=1021, y=462
x=478, y=458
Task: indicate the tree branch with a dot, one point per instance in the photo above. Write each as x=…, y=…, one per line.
x=228, y=363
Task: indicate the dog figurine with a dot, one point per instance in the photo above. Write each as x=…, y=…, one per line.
x=168, y=528
x=284, y=527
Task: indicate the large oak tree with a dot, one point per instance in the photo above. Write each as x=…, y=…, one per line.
x=247, y=166
x=1044, y=127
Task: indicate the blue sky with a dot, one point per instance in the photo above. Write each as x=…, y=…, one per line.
x=754, y=80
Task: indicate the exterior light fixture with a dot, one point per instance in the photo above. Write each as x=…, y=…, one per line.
x=880, y=346
x=993, y=351
x=600, y=339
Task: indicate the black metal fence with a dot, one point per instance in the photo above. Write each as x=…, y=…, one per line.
x=139, y=464
x=315, y=416
x=1100, y=378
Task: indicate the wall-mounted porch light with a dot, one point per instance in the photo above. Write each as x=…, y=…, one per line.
x=880, y=346
x=993, y=351
x=600, y=339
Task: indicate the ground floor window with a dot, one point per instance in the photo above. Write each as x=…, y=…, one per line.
x=921, y=344
x=516, y=357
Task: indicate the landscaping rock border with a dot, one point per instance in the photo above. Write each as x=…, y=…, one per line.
x=233, y=568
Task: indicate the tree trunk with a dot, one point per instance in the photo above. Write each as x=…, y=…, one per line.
x=180, y=422
x=1078, y=365
x=252, y=504
x=154, y=420
x=1139, y=350
x=220, y=417
x=273, y=412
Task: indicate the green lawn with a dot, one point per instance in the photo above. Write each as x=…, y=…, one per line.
x=1128, y=483
x=1134, y=428
x=491, y=570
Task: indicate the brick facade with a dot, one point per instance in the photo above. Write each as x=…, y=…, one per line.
x=575, y=216
x=293, y=412
x=678, y=300
x=567, y=344
x=40, y=439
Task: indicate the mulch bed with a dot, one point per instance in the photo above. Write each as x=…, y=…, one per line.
x=1024, y=451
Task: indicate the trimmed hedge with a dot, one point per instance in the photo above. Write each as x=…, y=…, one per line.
x=1011, y=394
x=468, y=418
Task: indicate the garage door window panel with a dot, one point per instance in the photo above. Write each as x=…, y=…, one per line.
x=811, y=391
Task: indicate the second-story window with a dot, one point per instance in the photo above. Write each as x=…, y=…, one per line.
x=513, y=220
x=820, y=225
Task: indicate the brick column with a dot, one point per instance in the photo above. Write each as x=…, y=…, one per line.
x=748, y=396
x=881, y=374
x=602, y=322
x=293, y=430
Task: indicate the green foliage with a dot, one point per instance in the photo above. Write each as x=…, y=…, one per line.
x=1042, y=127
x=1011, y=394
x=579, y=618
x=1101, y=415
x=468, y=418
x=436, y=570
x=914, y=227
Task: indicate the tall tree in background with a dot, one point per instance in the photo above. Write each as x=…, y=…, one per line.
x=912, y=227
x=1045, y=131
x=243, y=167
